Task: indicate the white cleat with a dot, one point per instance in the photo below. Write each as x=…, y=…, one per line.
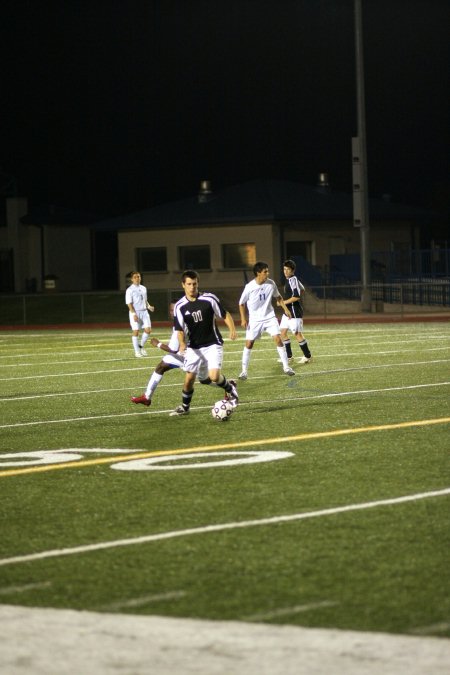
x=304, y=360
x=289, y=371
x=138, y=355
x=143, y=352
x=243, y=375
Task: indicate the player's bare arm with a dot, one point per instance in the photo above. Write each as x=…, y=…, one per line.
x=291, y=300
x=229, y=321
x=284, y=307
x=162, y=345
x=182, y=341
x=242, y=312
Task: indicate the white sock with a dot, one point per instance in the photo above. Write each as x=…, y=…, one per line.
x=283, y=356
x=145, y=337
x=246, y=358
x=152, y=384
x=135, y=342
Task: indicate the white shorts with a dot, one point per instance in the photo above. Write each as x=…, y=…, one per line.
x=174, y=360
x=294, y=325
x=257, y=328
x=202, y=360
x=143, y=320
x=177, y=361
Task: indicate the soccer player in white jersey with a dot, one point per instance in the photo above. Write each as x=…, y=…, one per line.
x=256, y=299
x=293, y=289
x=138, y=306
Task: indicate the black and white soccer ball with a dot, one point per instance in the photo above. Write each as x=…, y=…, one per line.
x=222, y=410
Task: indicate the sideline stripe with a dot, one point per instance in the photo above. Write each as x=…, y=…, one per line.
x=288, y=611
x=304, y=399
x=153, y=359
x=12, y=590
x=27, y=397
x=144, y=600
x=223, y=446
x=55, y=553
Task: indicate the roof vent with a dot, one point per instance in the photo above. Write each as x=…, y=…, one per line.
x=205, y=192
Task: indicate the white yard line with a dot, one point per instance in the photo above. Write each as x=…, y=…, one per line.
x=24, y=588
x=144, y=600
x=84, y=373
x=67, y=362
x=177, y=384
x=155, y=358
x=153, y=355
x=289, y=611
x=357, y=392
x=207, y=529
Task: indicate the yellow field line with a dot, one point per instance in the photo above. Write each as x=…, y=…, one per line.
x=222, y=446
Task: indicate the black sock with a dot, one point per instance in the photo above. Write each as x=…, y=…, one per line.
x=225, y=384
x=186, y=398
x=288, y=348
x=305, y=349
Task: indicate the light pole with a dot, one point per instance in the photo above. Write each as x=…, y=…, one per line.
x=359, y=158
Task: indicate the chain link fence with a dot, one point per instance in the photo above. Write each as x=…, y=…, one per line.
x=55, y=308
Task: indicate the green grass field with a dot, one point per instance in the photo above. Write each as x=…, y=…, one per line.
x=349, y=528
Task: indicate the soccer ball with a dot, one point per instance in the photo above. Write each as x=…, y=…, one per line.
x=222, y=410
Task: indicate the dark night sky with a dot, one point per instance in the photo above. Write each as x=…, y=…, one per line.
x=116, y=105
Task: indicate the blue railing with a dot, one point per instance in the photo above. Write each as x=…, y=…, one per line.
x=386, y=266
x=431, y=293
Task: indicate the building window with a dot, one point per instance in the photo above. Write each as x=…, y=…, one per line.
x=300, y=248
x=194, y=257
x=238, y=256
x=151, y=259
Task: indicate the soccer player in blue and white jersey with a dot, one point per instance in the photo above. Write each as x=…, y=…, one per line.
x=138, y=308
x=293, y=289
x=256, y=299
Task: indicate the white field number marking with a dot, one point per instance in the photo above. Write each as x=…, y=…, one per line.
x=153, y=463
x=39, y=457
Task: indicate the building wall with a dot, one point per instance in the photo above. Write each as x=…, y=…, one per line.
x=32, y=270
x=262, y=234
x=67, y=255
x=16, y=240
x=41, y=250
x=330, y=238
x=271, y=239
x=66, y=252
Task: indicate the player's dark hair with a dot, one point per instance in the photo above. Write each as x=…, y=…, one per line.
x=289, y=263
x=189, y=274
x=259, y=267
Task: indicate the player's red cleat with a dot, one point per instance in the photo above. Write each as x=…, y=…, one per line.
x=141, y=399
